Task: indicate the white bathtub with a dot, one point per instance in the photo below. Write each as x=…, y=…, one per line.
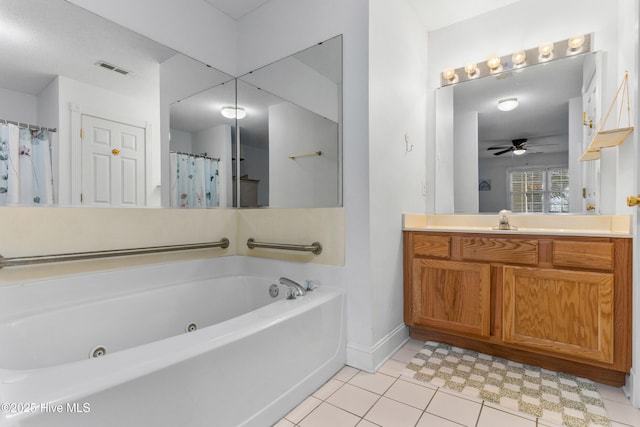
x=251, y=359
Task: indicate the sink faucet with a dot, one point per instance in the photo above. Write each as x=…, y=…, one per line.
x=503, y=220
x=294, y=288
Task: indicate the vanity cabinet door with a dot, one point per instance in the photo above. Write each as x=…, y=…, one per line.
x=569, y=313
x=452, y=296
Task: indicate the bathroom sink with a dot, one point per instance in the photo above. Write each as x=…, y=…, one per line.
x=566, y=224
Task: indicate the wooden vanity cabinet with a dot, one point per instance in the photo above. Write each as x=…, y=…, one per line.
x=560, y=302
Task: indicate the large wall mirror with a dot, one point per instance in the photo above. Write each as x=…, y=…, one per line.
x=134, y=123
x=199, y=172
x=534, y=146
x=290, y=140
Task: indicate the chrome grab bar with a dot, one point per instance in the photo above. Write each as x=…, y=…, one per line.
x=313, y=153
x=315, y=247
x=78, y=256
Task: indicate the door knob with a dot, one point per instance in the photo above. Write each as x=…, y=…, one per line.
x=633, y=200
x=115, y=151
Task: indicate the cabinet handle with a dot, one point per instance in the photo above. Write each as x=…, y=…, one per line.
x=115, y=151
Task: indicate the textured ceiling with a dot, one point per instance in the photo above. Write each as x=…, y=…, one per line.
x=41, y=39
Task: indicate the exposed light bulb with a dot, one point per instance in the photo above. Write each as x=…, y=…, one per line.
x=546, y=51
x=472, y=69
x=494, y=63
x=450, y=75
x=519, y=58
x=576, y=41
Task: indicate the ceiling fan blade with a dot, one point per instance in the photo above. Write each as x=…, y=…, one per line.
x=498, y=148
x=502, y=152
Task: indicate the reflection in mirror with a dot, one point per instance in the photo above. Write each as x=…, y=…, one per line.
x=68, y=69
x=200, y=136
x=290, y=139
x=99, y=85
x=527, y=159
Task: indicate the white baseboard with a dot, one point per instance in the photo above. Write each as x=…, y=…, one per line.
x=371, y=358
x=631, y=388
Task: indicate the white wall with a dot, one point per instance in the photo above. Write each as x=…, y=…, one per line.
x=397, y=109
x=282, y=27
x=181, y=141
x=522, y=25
x=305, y=182
x=18, y=106
x=465, y=165
x=440, y=155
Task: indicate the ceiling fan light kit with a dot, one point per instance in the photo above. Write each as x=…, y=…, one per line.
x=518, y=148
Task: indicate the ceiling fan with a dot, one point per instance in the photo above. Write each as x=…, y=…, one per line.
x=517, y=148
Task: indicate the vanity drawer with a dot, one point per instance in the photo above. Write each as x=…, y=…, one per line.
x=596, y=255
x=434, y=246
x=518, y=251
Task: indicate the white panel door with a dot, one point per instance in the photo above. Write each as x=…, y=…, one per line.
x=591, y=103
x=113, y=163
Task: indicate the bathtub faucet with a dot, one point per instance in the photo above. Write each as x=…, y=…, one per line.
x=294, y=288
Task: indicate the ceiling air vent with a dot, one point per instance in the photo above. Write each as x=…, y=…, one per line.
x=112, y=67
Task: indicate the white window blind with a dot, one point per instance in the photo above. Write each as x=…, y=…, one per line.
x=539, y=190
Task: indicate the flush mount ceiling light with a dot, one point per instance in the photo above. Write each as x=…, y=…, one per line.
x=233, y=112
x=507, y=104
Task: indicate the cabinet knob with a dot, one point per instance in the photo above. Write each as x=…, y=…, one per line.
x=633, y=200
x=115, y=151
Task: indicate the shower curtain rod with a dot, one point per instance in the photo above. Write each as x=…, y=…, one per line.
x=204, y=156
x=27, y=125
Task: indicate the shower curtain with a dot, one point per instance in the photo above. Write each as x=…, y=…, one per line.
x=194, y=181
x=25, y=166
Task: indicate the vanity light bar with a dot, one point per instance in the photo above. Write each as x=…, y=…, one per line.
x=496, y=65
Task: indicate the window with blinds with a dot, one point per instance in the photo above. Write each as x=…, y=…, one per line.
x=539, y=190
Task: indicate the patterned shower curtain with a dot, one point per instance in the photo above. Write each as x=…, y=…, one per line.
x=25, y=166
x=194, y=181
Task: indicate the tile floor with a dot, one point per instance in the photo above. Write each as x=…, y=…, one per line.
x=388, y=399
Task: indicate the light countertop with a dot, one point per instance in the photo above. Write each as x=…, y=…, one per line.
x=562, y=224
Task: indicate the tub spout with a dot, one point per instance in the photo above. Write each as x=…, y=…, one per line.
x=296, y=288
